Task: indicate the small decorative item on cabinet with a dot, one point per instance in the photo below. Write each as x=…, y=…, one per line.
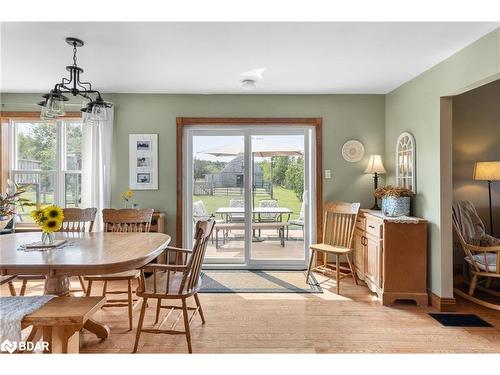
x=395, y=200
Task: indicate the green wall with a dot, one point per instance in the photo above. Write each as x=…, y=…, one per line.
x=344, y=117
x=415, y=107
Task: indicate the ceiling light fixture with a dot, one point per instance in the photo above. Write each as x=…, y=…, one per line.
x=53, y=103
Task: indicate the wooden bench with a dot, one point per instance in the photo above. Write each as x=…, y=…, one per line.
x=280, y=226
x=60, y=321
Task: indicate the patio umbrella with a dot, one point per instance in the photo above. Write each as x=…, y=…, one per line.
x=260, y=148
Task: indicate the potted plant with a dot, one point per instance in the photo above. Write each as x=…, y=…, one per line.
x=395, y=200
x=9, y=201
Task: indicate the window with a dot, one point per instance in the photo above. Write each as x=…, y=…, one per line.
x=48, y=156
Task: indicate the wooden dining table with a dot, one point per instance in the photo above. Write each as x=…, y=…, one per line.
x=94, y=253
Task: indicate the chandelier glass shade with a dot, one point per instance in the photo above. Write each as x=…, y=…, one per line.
x=53, y=103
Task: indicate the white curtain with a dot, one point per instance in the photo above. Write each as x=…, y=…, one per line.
x=97, y=146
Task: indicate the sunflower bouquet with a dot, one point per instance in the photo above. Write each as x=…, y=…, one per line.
x=50, y=220
x=127, y=196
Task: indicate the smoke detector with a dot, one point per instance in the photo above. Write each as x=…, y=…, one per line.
x=249, y=84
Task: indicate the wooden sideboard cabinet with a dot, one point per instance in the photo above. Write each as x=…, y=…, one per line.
x=390, y=256
x=158, y=222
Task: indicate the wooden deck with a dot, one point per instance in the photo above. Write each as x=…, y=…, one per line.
x=302, y=323
x=269, y=248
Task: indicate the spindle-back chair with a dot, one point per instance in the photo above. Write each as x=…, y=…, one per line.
x=338, y=232
x=125, y=220
x=177, y=281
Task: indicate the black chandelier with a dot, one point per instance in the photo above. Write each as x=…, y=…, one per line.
x=53, y=103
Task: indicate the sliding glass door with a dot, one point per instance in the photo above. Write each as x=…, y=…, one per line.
x=256, y=182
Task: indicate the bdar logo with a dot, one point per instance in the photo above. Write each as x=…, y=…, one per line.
x=8, y=346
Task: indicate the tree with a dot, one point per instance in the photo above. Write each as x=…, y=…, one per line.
x=294, y=176
x=38, y=143
x=265, y=166
x=202, y=167
x=281, y=164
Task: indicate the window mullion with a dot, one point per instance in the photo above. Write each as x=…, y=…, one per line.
x=59, y=177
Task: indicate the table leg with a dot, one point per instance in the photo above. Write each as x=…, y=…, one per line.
x=59, y=285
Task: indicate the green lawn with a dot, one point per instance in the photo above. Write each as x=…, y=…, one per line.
x=285, y=198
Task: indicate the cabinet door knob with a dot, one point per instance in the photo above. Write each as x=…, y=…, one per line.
x=371, y=226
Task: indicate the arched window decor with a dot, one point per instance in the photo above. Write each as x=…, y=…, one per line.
x=405, y=161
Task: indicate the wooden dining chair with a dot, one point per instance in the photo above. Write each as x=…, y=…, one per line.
x=76, y=220
x=177, y=281
x=126, y=220
x=338, y=232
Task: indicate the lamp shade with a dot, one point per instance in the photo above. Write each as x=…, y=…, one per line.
x=487, y=171
x=375, y=165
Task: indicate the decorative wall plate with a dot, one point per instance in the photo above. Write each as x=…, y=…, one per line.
x=353, y=151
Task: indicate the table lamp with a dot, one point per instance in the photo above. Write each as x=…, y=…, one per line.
x=487, y=171
x=375, y=167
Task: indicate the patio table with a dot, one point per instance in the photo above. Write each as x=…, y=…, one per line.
x=226, y=211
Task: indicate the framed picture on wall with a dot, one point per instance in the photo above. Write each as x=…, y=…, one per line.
x=143, y=161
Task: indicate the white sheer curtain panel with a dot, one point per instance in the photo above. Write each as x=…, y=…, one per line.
x=97, y=147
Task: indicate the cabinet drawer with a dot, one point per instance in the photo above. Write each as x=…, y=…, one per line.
x=361, y=222
x=374, y=227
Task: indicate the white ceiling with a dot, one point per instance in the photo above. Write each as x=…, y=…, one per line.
x=208, y=58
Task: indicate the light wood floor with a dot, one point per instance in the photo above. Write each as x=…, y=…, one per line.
x=302, y=323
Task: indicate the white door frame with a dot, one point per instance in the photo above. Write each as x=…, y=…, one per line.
x=309, y=179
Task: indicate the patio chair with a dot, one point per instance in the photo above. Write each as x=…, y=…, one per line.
x=200, y=212
x=482, y=253
x=268, y=217
x=300, y=222
x=236, y=217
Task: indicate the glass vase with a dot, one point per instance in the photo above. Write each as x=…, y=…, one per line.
x=48, y=238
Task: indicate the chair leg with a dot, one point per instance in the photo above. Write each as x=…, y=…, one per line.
x=104, y=288
x=82, y=284
x=200, y=310
x=158, y=307
x=89, y=288
x=352, y=269
x=23, y=288
x=12, y=290
x=129, y=294
x=310, y=265
x=186, y=325
x=337, y=272
x=139, y=325
x=473, y=284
